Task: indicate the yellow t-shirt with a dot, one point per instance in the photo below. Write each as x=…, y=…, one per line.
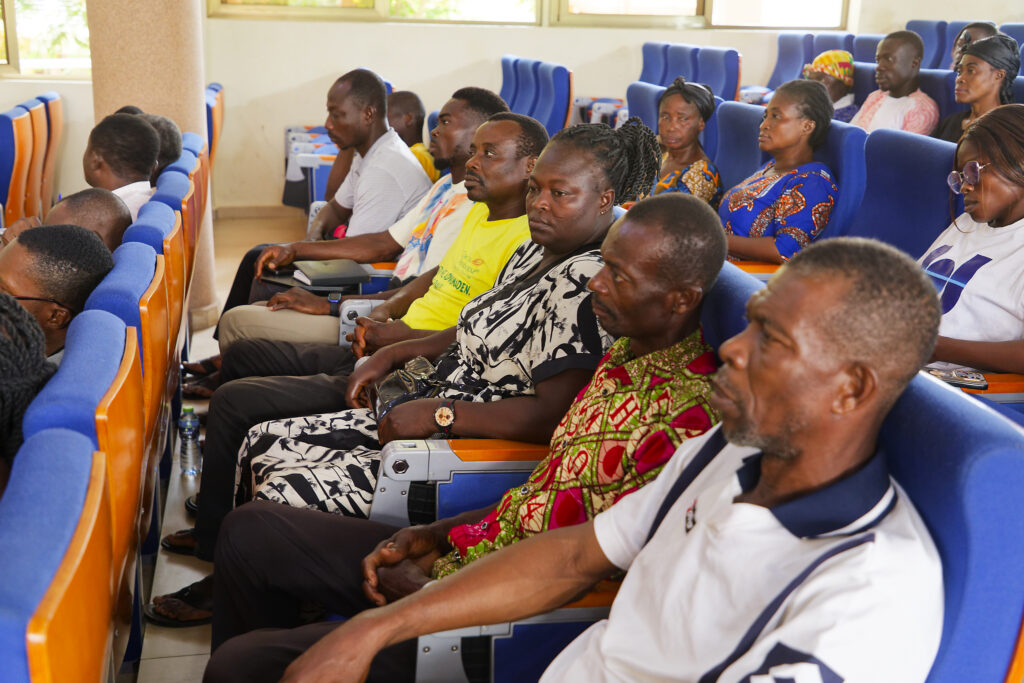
x=468, y=269
x=419, y=150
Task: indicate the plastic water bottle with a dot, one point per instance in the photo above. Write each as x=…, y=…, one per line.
x=188, y=432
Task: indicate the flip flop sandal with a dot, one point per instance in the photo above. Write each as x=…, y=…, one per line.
x=170, y=547
x=199, y=368
x=163, y=620
x=192, y=505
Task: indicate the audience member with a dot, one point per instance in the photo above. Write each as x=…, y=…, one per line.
x=121, y=156
x=522, y=351
x=407, y=115
x=976, y=30
x=787, y=203
x=646, y=397
x=385, y=180
x=504, y=150
x=683, y=110
x=976, y=262
x=898, y=103
x=777, y=546
x=51, y=270
x=23, y=372
x=984, y=80
x=170, y=143
x=130, y=109
x=97, y=210
x=834, y=70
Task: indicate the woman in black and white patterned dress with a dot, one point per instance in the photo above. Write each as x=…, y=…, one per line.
x=514, y=362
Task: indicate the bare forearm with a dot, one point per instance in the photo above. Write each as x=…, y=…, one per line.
x=430, y=347
x=330, y=217
x=543, y=572
x=400, y=301
x=522, y=418
x=1005, y=356
x=753, y=248
x=378, y=246
x=441, y=527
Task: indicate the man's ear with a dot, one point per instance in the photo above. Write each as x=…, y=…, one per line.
x=687, y=299
x=530, y=163
x=95, y=160
x=859, y=385
x=57, y=317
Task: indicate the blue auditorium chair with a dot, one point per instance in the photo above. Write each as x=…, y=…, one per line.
x=906, y=200
x=936, y=47
x=176, y=191
x=193, y=142
x=865, y=46
x=525, y=98
x=863, y=81
x=832, y=40
x=642, y=100
x=796, y=48
x=1022, y=59
x=432, y=118
x=655, y=62
x=719, y=68
x=56, y=596
x=160, y=228
x=953, y=29
x=843, y=153
x=709, y=137
x=554, y=96
x=939, y=85
x=185, y=164
x=738, y=153
x=15, y=158
x=1014, y=30
x=36, y=109
x=508, y=77
x=681, y=61
x=55, y=132
x=1018, y=88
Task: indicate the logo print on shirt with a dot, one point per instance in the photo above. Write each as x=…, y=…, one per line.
x=691, y=516
x=951, y=283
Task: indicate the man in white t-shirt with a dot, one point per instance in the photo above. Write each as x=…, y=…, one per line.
x=898, y=103
x=120, y=156
x=775, y=548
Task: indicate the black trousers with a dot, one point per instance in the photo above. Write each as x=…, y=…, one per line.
x=238, y=295
x=271, y=561
x=263, y=380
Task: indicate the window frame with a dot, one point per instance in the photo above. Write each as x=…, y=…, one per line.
x=380, y=12
x=843, y=22
x=559, y=15
x=12, y=67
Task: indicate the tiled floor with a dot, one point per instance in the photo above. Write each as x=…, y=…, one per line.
x=171, y=655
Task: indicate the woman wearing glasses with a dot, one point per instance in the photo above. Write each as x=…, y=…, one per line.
x=977, y=262
x=984, y=80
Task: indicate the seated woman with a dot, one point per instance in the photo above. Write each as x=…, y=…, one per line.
x=683, y=110
x=978, y=262
x=834, y=70
x=23, y=372
x=984, y=80
x=519, y=355
x=787, y=203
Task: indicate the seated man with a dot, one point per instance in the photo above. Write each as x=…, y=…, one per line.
x=972, y=32
x=898, y=103
x=51, y=270
x=406, y=115
x=170, y=143
x=777, y=547
x=23, y=372
x=96, y=210
x=121, y=156
x=834, y=70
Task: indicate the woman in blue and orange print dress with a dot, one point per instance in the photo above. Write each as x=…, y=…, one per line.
x=683, y=110
x=782, y=207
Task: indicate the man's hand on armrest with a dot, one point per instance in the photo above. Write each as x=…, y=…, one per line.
x=543, y=572
x=329, y=218
x=300, y=300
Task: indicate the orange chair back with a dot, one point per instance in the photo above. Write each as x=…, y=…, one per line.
x=70, y=635
x=174, y=266
x=218, y=125
x=34, y=186
x=15, y=208
x=55, y=130
x=155, y=341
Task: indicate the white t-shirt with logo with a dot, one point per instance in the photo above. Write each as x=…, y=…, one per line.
x=979, y=272
x=842, y=584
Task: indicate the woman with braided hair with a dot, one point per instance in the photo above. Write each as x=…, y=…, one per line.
x=23, y=372
x=683, y=110
x=984, y=80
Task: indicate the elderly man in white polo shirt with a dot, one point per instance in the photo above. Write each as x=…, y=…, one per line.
x=776, y=548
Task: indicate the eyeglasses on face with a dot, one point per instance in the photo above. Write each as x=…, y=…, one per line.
x=41, y=298
x=970, y=175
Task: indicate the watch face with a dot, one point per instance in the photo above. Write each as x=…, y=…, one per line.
x=444, y=416
x=334, y=297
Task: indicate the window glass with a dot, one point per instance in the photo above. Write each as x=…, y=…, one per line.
x=4, y=58
x=781, y=13
x=499, y=11
x=359, y=4
x=53, y=37
x=634, y=7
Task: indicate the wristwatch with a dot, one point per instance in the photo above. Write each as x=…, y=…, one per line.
x=334, y=300
x=444, y=417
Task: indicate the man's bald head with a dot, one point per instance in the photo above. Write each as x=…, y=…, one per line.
x=97, y=210
x=406, y=115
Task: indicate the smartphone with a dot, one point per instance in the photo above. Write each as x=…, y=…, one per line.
x=967, y=379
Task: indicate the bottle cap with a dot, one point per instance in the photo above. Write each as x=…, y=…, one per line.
x=188, y=409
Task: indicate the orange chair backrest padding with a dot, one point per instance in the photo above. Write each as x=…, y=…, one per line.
x=218, y=124
x=119, y=432
x=15, y=208
x=55, y=129
x=174, y=266
x=155, y=340
x=1001, y=383
x=70, y=634
x=34, y=187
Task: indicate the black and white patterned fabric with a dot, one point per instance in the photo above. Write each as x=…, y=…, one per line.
x=530, y=327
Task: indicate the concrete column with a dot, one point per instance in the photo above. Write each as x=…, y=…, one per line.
x=151, y=55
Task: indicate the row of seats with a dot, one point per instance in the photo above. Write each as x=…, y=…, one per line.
x=939, y=36
x=30, y=135
x=94, y=439
x=717, y=67
x=537, y=88
x=960, y=462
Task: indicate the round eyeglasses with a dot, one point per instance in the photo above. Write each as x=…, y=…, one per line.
x=970, y=175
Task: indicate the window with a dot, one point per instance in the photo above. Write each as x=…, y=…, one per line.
x=669, y=13
x=46, y=37
x=634, y=7
x=491, y=11
x=6, y=54
x=778, y=13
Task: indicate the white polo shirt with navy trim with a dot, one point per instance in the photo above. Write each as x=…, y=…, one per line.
x=842, y=584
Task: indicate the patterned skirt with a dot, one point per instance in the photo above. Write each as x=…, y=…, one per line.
x=326, y=462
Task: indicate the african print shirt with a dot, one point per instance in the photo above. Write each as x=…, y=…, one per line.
x=700, y=179
x=530, y=327
x=793, y=207
x=619, y=432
